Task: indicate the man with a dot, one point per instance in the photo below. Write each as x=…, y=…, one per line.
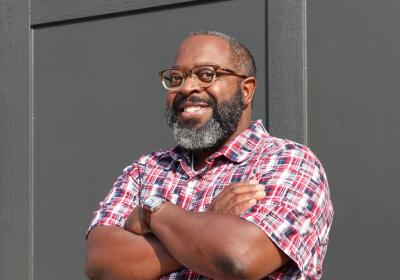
x=229, y=202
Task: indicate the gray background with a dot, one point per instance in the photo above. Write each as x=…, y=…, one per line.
x=80, y=99
x=353, y=125
x=98, y=105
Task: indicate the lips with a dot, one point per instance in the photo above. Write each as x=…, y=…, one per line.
x=189, y=110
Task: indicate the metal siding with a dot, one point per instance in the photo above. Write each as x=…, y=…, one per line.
x=353, y=81
x=99, y=105
x=14, y=139
x=287, y=69
x=50, y=11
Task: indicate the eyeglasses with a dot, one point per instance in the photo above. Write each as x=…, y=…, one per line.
x=205, y=75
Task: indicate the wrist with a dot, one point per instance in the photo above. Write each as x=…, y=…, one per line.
x=151, y=205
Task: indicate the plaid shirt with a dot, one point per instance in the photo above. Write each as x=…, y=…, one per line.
x=296, y=213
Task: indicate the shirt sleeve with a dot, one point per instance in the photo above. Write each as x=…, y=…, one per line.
x=120, y=201
x=297, y=212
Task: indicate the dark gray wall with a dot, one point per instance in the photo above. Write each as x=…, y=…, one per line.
x=353, y=124
x=98, y=105
x=15, y=175
x=287, y=69
x=333, y=78
x=52, y=128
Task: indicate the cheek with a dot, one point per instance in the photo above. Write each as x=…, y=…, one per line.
x=223, y=91
x=170, y=99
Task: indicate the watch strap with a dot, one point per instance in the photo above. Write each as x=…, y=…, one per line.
x=148, y=209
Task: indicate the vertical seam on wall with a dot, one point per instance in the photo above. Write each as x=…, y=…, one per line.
x=305, y=70
x=31, y=153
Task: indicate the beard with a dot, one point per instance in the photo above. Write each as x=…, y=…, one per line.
x=215, y=131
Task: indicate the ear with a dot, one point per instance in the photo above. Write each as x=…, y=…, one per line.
x=248, y=86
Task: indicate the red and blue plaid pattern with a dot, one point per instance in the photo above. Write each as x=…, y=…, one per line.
x=296, y=214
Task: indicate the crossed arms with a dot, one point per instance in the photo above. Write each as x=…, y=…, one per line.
x=217, y=243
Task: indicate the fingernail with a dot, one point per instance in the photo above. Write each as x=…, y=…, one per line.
x=252, y=201
x=253, y=181
x=260, y=193
x=260, y=187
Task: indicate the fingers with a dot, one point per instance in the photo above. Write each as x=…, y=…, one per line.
x=240, y=188
x=243, y=202
x=243, y=206
x=245, y=188
x=239, y=197
x=238, y=193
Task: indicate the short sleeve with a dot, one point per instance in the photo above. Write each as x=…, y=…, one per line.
x=120, y=201
x=297, y=212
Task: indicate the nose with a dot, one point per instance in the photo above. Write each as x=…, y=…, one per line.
x=190, y=85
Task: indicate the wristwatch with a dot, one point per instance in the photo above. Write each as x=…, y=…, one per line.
x=151, y=205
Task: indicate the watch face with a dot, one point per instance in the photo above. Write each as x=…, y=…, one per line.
x=153, y=201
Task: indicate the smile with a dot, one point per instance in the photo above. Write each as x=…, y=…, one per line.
x=195, y=109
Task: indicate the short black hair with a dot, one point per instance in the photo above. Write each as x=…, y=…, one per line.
x=243, y=59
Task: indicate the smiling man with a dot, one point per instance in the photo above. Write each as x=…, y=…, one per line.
x=229, y=201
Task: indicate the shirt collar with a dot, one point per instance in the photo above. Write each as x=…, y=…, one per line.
x=244, y=144
x=179, y=153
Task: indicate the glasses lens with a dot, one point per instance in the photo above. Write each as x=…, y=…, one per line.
x=172, y=78
x=205, y=74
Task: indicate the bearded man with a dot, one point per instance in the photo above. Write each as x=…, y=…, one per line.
x=229, y=201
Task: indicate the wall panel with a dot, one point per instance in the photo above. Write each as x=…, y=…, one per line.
x=354, y=128
x=98, y=105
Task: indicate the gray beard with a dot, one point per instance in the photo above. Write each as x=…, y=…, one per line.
x=215, y=131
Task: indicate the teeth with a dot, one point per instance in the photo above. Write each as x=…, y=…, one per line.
x=192, y=109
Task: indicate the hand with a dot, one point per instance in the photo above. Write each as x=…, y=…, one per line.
x=135, y=223
x=237, y=198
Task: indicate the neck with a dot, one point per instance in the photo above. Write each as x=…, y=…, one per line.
x=200, y=157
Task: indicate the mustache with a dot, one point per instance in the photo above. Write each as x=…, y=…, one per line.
x=194, y=100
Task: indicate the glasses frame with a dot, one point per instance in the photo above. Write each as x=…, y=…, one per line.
x=188, y=73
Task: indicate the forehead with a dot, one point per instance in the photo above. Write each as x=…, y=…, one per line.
x=203, y=49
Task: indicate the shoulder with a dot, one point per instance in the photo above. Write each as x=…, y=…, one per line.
x=159, y=158
x=283, y=155
x=271, y=146
x=155, y=156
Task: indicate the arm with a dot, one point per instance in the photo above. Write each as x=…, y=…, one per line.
x=217, y=243
x=114, y=253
